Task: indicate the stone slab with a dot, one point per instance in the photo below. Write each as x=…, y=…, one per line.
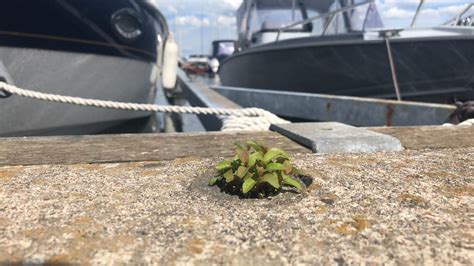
x=335, y=137
x=131, y=148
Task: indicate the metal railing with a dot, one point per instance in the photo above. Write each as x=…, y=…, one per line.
x=454, y=21
x=418, y=10
x=329, y=15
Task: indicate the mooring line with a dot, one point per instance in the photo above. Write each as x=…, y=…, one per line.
x=249, y=119
x=392, y=69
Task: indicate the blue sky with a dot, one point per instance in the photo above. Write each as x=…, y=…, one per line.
x=215, y=19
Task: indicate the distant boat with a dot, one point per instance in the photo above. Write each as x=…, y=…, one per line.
x=340, y=47
x=110, y=50
x=196, y=64
x=222, y=49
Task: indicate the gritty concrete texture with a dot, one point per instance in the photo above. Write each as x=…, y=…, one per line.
x=335, y=137
x=412, y=207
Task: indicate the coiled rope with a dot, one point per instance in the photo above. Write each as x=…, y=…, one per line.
x=249, y=119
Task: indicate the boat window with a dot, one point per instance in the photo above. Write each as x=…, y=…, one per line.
x=225, y=48
x=355, y=20
x=318, y=24
x=273, y=19
x=364, y=16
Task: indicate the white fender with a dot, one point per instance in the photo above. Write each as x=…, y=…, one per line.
x=469, y=122
x=214, y=65
x=170, y=64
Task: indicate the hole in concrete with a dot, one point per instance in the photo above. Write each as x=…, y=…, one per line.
x=306, y=180
x=199, y=186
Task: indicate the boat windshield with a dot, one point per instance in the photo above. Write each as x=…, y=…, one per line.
x=272, y=19
x=358, y=19
x=223, y=48
x=258, y=16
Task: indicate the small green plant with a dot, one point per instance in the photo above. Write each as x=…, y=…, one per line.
x=256, y=171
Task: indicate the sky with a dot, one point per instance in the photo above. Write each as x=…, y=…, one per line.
x=215, y=19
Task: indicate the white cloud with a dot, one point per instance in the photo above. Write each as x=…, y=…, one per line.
x=191, y=21
x=233, y=3
x=399, y=10
x=225, y=21
x=194, y=7
x=171, y=9
x=452, y=10
x=397, y=13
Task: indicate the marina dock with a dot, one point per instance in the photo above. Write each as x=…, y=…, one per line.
x=347, y=137
x=377, y=195
x=144, y=199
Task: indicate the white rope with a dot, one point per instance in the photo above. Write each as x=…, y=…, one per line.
x=249, y=119
x=392, y=68
x=469, y=122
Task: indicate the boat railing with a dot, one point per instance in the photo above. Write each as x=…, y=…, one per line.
x=329, y=15
x=332, y=14
x=456, y=19
x=453, y=21
x=418, y=10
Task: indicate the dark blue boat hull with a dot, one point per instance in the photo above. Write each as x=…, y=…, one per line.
x=70, y=47
x=83, y=26
x=430, y=70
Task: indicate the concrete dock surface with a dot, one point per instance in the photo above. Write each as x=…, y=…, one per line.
x=410, y=207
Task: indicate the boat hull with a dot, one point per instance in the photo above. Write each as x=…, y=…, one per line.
x=68, y=47
x=430, y=70
x=72, y=74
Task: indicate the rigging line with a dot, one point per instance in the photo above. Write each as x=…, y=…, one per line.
x=392, y=68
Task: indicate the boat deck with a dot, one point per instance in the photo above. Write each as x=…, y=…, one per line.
x=133, y=199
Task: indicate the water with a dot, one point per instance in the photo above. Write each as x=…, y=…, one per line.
x=186, y=123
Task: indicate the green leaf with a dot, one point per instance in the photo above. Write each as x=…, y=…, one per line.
x=236, y=158
x=275, y=167
x=248, y=185
x=214, y=180
x=229, y=176
x=260, y=171
x=254, y=157
x=287, y=167
x=272, y=180
x=244, y=156
x=224, y=165
x=274, y=153
x=296, y=171
x=248, y=175
x=291, y=182
x=254, y=145
x=242, y=171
